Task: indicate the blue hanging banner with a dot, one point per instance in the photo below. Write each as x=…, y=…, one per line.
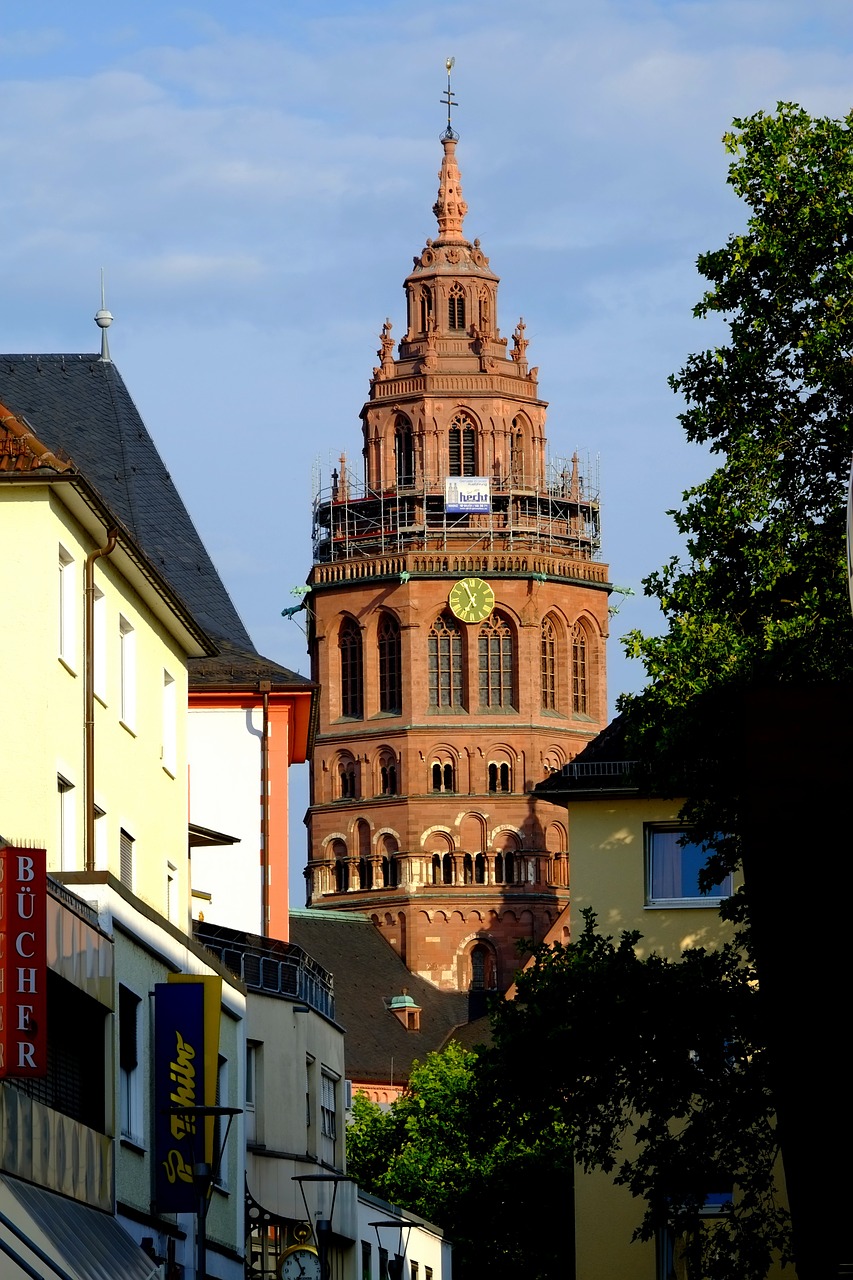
x=179, y=1141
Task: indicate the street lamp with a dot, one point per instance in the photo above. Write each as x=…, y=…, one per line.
x=205, y=1173
x=395, y=1268
x=322, y=1227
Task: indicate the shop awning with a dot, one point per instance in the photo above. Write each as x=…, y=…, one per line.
x=84, y=1243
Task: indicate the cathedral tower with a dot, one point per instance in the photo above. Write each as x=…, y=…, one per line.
x=458, y=613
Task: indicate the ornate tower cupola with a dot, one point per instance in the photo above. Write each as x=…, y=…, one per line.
x=458, y=615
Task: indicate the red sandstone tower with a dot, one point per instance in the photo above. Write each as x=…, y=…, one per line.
x=458, y=617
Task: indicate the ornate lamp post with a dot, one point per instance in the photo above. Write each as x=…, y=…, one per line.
x=322, y=1225
x=395, y=1268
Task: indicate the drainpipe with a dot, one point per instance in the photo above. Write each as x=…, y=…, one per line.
x=264, y=687
x=89, y=695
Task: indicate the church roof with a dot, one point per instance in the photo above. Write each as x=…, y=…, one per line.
x=79, y=407
x=368, y=973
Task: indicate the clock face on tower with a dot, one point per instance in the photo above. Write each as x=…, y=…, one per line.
x=301, y=1262
x=471, y=599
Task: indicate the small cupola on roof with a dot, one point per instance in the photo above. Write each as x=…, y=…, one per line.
x=405, y=1010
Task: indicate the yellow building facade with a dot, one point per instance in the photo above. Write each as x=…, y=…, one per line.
x=129, y=745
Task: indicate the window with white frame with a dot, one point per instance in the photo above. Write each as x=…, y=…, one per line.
x=99, y=643
x=673, y=864
x=170, y=724
x=130, y=1074
x=221, y=1122
x=126, y=843
x=101, y=849
x=67, y=824
x=67, y=607
x=254, y=1048
x=127, y=665
x=171, y=890
x=328, y=1115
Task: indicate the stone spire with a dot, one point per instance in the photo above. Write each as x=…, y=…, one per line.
x=450, y=208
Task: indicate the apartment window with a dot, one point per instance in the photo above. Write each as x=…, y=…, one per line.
x=67, y=607
x=672, y=871
x=366, y=1264
x=445, y=663
x=127, y=668
x=170, y=724
x=126, y=843
x=497, y=661
x=67, y=824
x=99, y=644
x=130, y=1076
x=390, y=671
x=349, y=643
x=220, y=1122
x=328, y=1115
x=101, y=850
x=171, y=890
x=254, y=1050
x=413, y=1269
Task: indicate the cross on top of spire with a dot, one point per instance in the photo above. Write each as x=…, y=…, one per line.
x=450, y=100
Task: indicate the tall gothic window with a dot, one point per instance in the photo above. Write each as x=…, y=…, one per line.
x=462, y=446
x=580, y=689
x=426, y=308
x=516, y=452
x=349, y=642
x=496, y=663
x=404, y=453
x=445, y=663
x=390, y=671
x=456, y=307
x=548, y=664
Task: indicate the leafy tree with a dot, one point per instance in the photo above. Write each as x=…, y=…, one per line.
x=445, y=1151
x=761, y=596
x=653, y=1070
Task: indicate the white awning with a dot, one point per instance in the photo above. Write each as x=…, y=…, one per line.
x=82, y=1243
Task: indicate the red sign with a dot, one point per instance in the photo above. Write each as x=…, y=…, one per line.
x=23, y=962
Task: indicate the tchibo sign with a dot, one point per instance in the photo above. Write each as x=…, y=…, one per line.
x=23, y=961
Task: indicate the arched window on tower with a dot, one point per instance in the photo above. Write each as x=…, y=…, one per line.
x=497, y=663
x=445, y=663
x=580, y=687
x=485, y=311
x=426, y=308
x=462, y=446
x=404, y=453
x=443, y=776
x=548, y=664
x=500, y=776
x=347, y=783
x=516, y=452
x=390, y=669
x=349, y=643
x=456, y=307
x=388, y=774
x=482, y=968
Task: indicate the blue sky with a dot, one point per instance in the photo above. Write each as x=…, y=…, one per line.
x=255, y=179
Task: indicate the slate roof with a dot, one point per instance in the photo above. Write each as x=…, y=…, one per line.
x=234, y=668
x=367, y=971
x=79, y=406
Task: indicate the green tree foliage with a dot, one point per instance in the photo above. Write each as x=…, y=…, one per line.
x=761, y=595
x=444, y=1150
x=654, y=1071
